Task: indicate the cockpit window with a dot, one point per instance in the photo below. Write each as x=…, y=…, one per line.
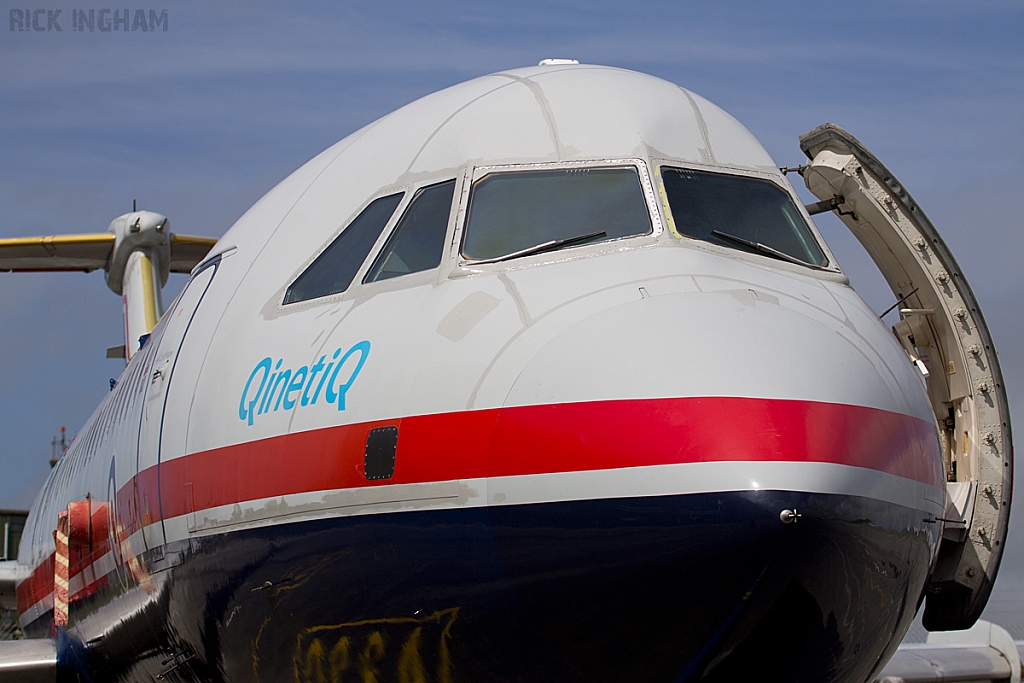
x=528, y=212
x=333, y=270
x=417, y=243
x=750, y=214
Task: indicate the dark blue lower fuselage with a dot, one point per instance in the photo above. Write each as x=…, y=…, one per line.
x=703, y=587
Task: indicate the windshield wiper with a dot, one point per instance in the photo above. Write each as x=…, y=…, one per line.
x=545, y=246
x=763, y=248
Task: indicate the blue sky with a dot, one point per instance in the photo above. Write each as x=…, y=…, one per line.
x=199, y=121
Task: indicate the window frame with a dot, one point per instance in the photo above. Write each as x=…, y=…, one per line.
x=371, y=255
x=434, y=275
x=335, y=236
x=660, y=165
x=391, y=228
x=465, y=266
x=357, y=287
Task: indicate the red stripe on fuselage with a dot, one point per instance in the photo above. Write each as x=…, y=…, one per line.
x=554, y=438
x=538, y=440
x=587, y=436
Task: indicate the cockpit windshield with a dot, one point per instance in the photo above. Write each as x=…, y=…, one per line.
x=521, y=213
x=750, y=214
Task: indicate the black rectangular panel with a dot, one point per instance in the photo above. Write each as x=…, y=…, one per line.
x=379, y=461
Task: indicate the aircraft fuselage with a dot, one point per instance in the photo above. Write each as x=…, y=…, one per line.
x=636, y=457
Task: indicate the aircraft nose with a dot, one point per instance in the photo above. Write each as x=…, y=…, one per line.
x=735, y=343
x=747, y=486
x=700, y=378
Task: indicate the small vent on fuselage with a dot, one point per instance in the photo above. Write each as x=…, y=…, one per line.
x=379, y=461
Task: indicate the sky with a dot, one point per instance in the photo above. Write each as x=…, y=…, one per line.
x=201, y=119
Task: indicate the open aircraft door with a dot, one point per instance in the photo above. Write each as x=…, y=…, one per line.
x=943, y=331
